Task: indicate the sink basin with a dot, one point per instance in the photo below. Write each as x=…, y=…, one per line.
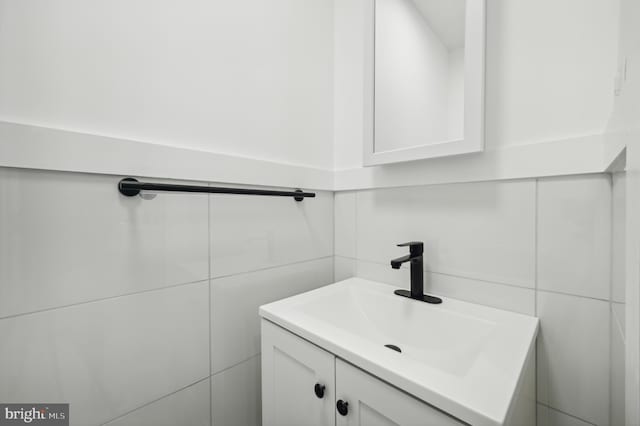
x=463, y=358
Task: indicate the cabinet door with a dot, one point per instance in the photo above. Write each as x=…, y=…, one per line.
x=291, y=368
x=372, y=402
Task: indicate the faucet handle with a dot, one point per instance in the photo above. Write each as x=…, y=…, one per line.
x=415, y=247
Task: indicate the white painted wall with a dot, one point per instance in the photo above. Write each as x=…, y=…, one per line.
x=550, y=70
x=248, y=78
x=413, y=80
x=267, y=88
x=348, y=95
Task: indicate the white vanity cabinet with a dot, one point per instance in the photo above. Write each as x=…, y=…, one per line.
x=394, y=360
x=291, y=369
x=373, y=402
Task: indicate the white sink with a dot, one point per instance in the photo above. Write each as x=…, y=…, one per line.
x=463, y=358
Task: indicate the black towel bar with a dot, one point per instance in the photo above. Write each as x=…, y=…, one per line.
x=130, y=187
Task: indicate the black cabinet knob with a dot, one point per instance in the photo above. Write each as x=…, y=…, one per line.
x=343, y=407
x=319, y=390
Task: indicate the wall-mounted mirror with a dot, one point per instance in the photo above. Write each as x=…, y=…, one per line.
x=424, y=94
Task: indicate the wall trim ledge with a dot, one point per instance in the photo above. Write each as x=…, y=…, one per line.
x=35, y=147
x=578, y=155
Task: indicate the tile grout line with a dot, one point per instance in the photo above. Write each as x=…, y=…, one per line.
x=573, y=295
x=154, y=401
x=102, y=299
x=490, y=282
x=234, y=365
x=617, y=322
x=565, y=413
x=404, y=267
x=209, y=283
x=355, y=226
x=333, y=264
x=167, y=287
x=449, y=274
x=611, y=314
x=481, y=280
x=297, y=262
x=535, y=246
x=535, y=277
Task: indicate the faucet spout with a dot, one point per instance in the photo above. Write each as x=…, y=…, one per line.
x=416, y=248
x=396, y=263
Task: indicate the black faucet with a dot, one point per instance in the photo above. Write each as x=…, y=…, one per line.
x=416, y=248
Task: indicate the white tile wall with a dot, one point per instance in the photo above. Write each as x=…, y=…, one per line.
x=618, y=238
x=479, y=230
x=383, y=272
x=250, y=233
x=619, y=316
x=502, y=296
x=186, y=407
x=106, y=301
x=343, y=268
x=539, y=247
x=236, y=395
x=345, y=224
x=617, y=371
x=573, y=355
x=67, y=238
x=511, y=298
x=108, y=357
x=574, y=235
x=235, y=324
x=481, y=246
x=618, y=320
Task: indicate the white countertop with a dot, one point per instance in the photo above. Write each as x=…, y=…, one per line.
x=462, y=358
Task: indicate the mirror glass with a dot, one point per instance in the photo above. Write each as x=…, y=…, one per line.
x=419, y=79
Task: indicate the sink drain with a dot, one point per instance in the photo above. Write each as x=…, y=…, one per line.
x=393, y=347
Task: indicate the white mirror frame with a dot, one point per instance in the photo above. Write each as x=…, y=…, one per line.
x=474, y=71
